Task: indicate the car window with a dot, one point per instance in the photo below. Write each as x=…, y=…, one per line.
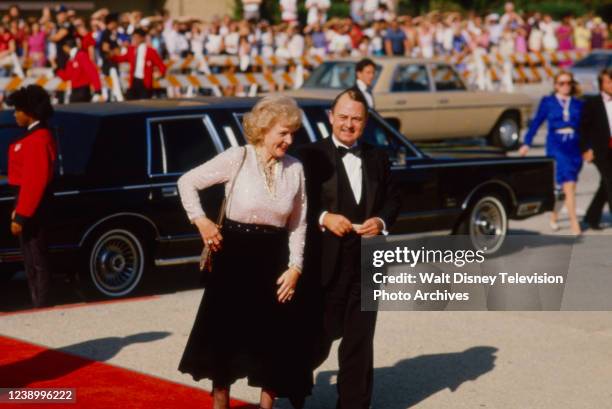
x=300, y=137
x=446, y=78
x=230, y=133
x=410, y=78
x=319, y=121
x=335, y=75
x=375, y=133
x=595, y=60
x=378, y=134
x=178, y=145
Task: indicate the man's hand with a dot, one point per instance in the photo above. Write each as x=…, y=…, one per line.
x=523, y=150
x=337, y=224
x=16, y=229
x=588, y=156
x=371, y=227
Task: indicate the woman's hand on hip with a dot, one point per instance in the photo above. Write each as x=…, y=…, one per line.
x=210, y=232
x=286, y=285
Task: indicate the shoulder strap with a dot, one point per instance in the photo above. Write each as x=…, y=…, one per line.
x=226, y=199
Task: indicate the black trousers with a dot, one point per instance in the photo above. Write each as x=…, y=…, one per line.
x=604, y=192
x=344, y=319
x=138, y=90
x=80, y=94
x=33, y=243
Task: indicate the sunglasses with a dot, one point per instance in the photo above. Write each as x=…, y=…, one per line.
x=565, y=82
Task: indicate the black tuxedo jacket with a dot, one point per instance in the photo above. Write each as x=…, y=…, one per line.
x=594, y=128
x=322, y=187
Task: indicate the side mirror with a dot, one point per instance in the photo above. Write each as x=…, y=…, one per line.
x=400, y=159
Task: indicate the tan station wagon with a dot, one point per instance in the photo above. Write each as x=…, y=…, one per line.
x=428, y=101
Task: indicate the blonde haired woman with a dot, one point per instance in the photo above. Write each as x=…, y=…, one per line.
x=248, y=324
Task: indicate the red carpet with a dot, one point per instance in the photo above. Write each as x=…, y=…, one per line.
x=98, y=385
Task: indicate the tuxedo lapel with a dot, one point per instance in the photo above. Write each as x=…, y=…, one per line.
x=368, y=163
x=602, y=110
x=330, y=185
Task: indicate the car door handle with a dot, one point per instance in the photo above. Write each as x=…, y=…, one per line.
x=443, y=101
x=171, y=191
x=401, y=102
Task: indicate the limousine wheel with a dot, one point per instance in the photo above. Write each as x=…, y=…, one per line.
x=505, y=135
x=486, y=224
x=116, y=262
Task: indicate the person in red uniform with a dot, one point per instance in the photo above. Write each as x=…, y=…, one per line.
x=142, y=59
x=81, y=73
x=31, y=160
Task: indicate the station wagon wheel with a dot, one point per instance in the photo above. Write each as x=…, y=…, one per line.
x=487, y=224
x=116, y=262
x=505, y=135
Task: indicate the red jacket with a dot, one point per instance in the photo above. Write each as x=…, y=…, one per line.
x=152, y=59
x=81, y=72
x=31, y=161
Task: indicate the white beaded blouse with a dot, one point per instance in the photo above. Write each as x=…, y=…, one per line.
x=252, y=201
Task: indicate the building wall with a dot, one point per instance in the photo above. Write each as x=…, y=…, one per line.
x=204, y=9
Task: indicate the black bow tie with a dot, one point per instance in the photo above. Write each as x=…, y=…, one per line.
x=355, y=150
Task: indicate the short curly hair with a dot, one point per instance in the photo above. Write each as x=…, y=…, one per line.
x=33, y=100
x=268, y=112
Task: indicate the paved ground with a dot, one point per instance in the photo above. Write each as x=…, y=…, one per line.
x=423, y=359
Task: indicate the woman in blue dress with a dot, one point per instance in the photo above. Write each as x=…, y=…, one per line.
x=562, y=110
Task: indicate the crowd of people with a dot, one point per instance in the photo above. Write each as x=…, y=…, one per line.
x=373, y=28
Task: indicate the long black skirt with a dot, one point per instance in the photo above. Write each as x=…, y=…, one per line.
x=241, y=330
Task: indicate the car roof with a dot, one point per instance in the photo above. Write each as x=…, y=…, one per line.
x=390, y=60
x=165, y=105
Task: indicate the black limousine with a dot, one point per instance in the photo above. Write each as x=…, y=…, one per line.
x=117, y=213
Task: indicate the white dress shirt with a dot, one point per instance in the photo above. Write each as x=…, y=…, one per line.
x=366, y=93
x=353, y=168
x=141, y=55
x=32, y=125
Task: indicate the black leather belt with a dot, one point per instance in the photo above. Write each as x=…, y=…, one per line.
x=232, y=225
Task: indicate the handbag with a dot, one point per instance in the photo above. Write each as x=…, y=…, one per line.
x=206, y=256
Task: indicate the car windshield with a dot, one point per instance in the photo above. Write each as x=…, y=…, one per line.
x=596, y=60
x=335, y=75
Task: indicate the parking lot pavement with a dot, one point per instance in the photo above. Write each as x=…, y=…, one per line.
x=588, y=181
x=422, y=359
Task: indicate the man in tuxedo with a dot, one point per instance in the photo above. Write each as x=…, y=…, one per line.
x=142, y=59
x=596, y=143
x=365, y=72
x=350, y=195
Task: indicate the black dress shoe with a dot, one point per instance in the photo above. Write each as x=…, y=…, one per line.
x=592, y=226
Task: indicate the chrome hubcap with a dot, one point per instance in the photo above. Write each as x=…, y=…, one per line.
x=487, y=229
x=508, y=132
x=116, y=263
